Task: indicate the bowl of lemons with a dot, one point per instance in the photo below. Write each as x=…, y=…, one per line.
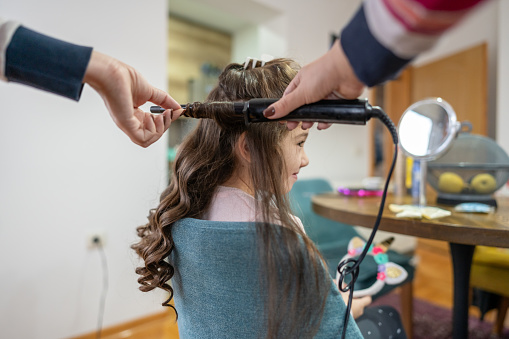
x=471, y=171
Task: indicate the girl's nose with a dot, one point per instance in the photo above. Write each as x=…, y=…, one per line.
x=304, y=160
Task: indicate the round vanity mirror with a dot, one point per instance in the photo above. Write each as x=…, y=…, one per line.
x=427, y=129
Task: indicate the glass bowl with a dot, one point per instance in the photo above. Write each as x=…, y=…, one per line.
x=467, y=178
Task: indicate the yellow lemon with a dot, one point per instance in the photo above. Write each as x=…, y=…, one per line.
x=483, y=183
x=449, y=182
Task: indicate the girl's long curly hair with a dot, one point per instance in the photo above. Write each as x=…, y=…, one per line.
x=205, y=160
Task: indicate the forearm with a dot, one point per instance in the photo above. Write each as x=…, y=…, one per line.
x=385, y=35
x=46, y=63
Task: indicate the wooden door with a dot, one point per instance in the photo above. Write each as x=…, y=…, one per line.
x=461, y=80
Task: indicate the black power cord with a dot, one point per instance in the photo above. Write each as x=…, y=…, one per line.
x=350, y=266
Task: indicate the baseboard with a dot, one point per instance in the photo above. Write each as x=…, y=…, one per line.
x=159, y=325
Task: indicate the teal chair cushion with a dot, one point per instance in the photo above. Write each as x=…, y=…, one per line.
x=217, y=288
x=332, y=237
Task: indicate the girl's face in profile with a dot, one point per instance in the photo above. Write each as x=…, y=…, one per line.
x=294, y=155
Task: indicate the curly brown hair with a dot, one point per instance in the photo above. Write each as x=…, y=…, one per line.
x=205, y=160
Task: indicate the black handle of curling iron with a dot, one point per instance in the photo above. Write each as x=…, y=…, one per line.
x=355, y=112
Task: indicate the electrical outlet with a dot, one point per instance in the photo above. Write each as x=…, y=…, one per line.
x=96, y=239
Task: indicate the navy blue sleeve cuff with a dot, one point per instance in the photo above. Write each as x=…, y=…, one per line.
x=371, y=62
x=46, y=63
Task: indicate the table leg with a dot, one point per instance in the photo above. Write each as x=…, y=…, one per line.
x=461, y=261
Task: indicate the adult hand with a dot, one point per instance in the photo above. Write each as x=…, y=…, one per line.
x=124, y=90
x=329, y=76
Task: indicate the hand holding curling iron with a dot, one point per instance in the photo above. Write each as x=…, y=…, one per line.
x=124, y=90
x=330, y=76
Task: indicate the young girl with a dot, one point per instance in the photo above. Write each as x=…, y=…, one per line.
x=226, y=171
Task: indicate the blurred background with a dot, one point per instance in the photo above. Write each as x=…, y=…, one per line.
x=66, y=170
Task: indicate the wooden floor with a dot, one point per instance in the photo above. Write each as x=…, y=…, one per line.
x=433, y=283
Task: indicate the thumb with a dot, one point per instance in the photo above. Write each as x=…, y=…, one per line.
x=163, y=99
x=176, y=114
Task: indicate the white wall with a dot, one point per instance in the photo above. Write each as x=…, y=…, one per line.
x=67, y=169
x=503, y=76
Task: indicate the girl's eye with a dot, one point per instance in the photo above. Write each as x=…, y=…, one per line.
x=301, y=144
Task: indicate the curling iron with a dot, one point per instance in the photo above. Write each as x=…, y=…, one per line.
x=354, y=112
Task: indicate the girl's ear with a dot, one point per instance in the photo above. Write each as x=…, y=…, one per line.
x=242, y=149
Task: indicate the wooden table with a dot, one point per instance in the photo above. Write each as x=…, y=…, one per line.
x=463, y=231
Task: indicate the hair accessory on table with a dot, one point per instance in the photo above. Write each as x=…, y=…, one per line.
x=388, y=272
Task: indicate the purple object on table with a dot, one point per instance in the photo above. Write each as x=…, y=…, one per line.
x=360, y=192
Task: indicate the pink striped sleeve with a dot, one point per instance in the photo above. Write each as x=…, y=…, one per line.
x=448, y=5
x=408, y=27
x=428, y=16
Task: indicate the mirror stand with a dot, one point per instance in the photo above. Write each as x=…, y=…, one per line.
x=419, y=174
